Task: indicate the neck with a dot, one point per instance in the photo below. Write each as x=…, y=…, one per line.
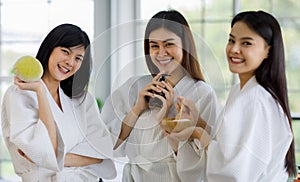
x=244, y=80
x=52, y=86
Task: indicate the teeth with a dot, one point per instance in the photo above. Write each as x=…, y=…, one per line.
x=165, y=61
x=236, y=60
x=63, y=69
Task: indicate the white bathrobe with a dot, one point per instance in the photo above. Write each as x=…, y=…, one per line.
x=79, y=129
x=251, y=139
x=150, y=155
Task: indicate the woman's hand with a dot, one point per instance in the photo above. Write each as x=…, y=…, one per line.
x=185, y=134
x=33, y=86
x=167, y=101
x=141, y=103
x=190, y=111
x=156, y=86
x=192, y=133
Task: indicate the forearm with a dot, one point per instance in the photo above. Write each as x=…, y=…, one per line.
x=202, y=135
x=202, y=123
x=46, y=117
x=127, y=125
x=74, y=160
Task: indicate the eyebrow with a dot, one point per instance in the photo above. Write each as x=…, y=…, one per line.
x=243, y=38
x=170, y=39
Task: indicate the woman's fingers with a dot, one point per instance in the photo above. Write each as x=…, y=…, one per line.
x=184, y=134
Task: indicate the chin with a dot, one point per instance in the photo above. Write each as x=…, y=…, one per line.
x=233, y=70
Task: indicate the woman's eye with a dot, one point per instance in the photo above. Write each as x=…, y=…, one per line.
x=246, y=43
x=154, y=46
x=230, y=41
x=79, y=59
x=169, y=44
x=65, y=51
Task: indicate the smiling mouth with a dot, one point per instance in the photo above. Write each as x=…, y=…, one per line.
x=236, y=60
x=164, y=62
x=63, y=69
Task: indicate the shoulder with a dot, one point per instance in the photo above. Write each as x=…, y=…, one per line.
x=258, y=93
x=205, y=87
x=139, y=79
x=189, y=84
x=263, y=102
x=204, y=90
x=266, y=101
x=133, y=84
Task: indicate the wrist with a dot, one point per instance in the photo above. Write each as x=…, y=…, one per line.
x=40, y=89
x=196, y=134
x=136, y=110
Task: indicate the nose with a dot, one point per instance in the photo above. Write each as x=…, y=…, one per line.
x=235, y=48
x=70, y=61
x=162, y=51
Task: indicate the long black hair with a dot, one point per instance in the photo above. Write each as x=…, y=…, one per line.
x=271, y=73
x=68, y=35
x=175, y=22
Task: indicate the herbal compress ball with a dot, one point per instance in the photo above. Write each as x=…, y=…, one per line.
x=28, y=69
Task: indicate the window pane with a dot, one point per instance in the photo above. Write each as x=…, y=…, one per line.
x=288, y=8
x=218, y=10
x=292, y=47
x=255, y=5
x=296, y=127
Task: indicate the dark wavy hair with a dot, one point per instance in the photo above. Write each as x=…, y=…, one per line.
x=68, y=35
x=175, y=22
x=271, y=73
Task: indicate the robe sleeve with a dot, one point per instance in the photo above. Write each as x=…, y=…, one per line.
x=191, y=161
x=97, y=142
x=115, y=109
x=27, y=132
x=191, y=156
x=208, y=105
x=105, y=170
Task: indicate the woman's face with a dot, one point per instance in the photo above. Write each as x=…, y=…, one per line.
x=165, y=49
x=245, y=50
x=64, y=62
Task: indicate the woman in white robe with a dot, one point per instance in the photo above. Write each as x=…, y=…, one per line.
x=252, y=139
x=52, y=127
x=130, y=117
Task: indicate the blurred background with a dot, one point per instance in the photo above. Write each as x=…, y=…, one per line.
x=116, y=29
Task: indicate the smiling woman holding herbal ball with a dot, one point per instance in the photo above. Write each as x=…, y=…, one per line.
x=52, y=126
